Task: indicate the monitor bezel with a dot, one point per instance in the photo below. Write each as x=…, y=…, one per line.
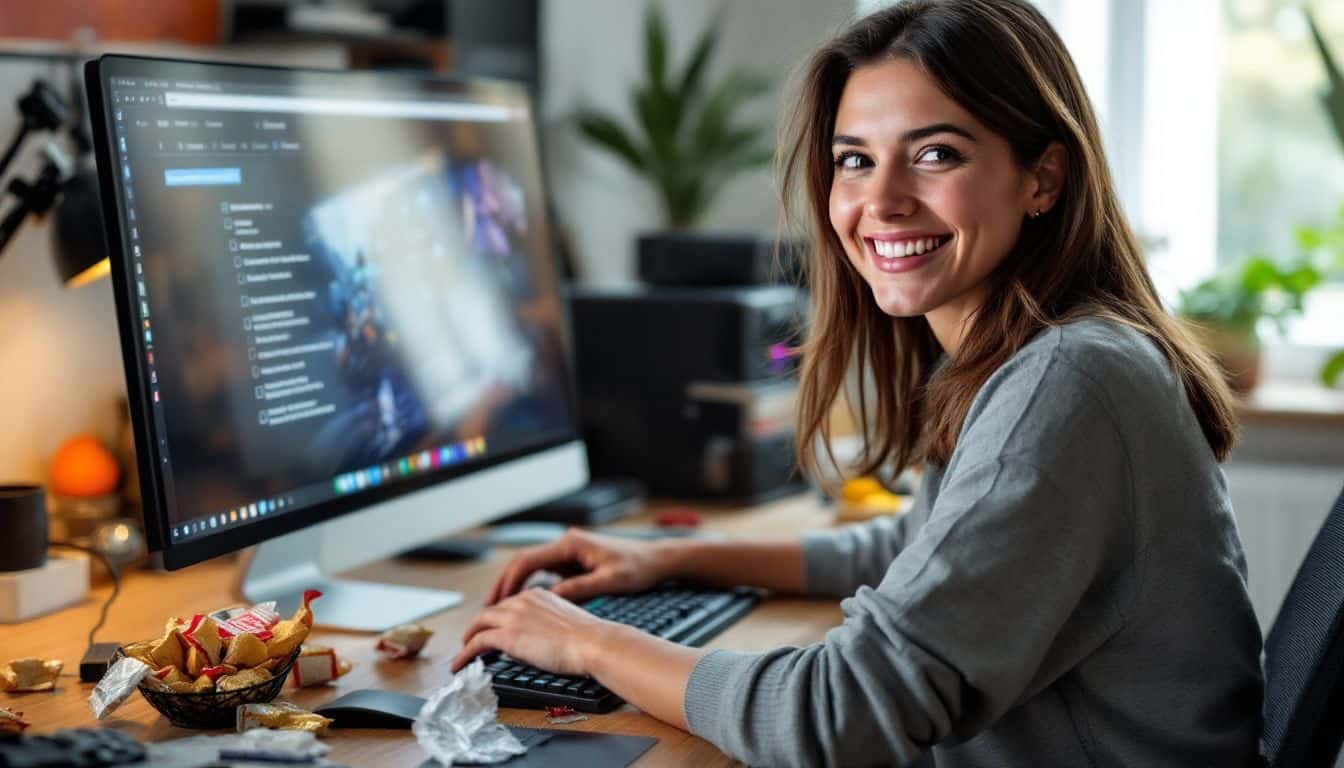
x=98, y=74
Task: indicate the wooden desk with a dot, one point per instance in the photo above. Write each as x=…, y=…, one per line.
x=148, y=599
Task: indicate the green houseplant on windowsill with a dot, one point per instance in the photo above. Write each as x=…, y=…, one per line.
x=1225, y=309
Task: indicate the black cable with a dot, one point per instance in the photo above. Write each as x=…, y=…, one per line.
x=112, y=569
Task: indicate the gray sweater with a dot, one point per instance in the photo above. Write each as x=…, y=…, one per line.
x=1069, y=590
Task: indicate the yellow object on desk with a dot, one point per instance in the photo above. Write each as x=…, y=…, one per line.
x=864, y=498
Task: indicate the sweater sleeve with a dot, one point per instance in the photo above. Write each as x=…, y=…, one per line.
x=1022, y=570
x=835, y=563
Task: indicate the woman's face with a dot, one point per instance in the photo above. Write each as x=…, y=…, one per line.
x=926, y=200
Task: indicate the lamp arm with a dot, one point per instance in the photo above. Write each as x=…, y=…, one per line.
x=13, y=149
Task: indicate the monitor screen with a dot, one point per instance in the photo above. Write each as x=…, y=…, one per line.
x=335, y=288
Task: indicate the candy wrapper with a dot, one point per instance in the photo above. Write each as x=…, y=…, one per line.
x=11, y=722
x=117, y=684
x=459, y=721
x=281, y=715
x=243, y=679
x=256, y=620
x=30, y=675
x=317, y=665
x=403, y=642
x=246, y=651
x=563, y=715
x=290, y=633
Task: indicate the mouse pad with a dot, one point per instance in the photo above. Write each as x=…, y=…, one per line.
x=555, y=748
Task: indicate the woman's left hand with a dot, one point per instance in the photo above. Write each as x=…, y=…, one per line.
x=538, y=627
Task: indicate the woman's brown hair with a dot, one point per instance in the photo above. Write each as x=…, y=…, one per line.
x=1002, y=62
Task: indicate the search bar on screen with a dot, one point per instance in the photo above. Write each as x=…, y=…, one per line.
x=431, y=110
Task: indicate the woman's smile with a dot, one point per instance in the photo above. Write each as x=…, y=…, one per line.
x=895, y=253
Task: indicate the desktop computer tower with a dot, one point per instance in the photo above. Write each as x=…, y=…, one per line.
x=690, y=390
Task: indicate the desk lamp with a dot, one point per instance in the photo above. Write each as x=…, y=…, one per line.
x=77, y=237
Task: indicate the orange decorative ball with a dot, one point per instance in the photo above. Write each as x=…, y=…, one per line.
x=83, y=467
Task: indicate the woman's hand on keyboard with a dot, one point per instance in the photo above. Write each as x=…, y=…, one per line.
x=592, y=564
x=537, y=628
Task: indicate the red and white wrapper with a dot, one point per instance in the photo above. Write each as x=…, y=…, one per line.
x=403, y=642
x=256, y=620
x=317, y=665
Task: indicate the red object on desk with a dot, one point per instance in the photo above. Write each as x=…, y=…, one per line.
x=678, y=517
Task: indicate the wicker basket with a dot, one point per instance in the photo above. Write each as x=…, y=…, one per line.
x=214, y=709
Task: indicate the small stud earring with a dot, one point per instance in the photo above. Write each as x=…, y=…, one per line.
x=1036, y=214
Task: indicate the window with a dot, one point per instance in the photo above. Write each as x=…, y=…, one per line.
x=1280, y=162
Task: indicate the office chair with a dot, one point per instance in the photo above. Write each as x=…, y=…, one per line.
x=1304, y=658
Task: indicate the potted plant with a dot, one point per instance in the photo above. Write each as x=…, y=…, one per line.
x=1225, y=309
x=685, y=141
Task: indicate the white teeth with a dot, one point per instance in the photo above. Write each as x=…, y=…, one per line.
x=888, y=249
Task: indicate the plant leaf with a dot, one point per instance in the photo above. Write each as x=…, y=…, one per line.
x=1333, y=97
x=658, y=117
x=735, y=90
x=655, y=47
x=609, y=135
x=1333, y=369
x=1309, y=238
x=693, y=76
x=1258, y=274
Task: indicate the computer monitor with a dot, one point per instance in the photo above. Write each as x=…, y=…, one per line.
x=338, y=305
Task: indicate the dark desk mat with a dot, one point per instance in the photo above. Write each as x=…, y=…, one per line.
x=551, y=748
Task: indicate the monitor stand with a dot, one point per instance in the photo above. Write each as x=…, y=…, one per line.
x=282, y=568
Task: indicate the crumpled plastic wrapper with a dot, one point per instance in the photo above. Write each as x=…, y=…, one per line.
x=274, y=746
x=118, y=682
x=459, y=722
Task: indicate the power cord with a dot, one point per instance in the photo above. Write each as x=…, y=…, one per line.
x=111, y=568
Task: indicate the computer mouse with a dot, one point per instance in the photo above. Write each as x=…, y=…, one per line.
x=371, y=708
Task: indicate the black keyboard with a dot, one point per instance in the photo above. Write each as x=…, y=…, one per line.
x=686, y=616
x=82, y=747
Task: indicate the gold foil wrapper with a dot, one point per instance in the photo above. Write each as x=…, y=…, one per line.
x=30, y=674
x=280, y=715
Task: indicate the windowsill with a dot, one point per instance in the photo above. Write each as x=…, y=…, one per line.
x=1293, y=402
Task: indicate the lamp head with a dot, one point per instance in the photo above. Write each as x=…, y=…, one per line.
x=77, y=244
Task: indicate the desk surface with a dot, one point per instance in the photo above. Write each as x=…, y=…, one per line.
x=148, y=599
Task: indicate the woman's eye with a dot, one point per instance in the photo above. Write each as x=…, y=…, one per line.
x=939, y=155
x=850, y=161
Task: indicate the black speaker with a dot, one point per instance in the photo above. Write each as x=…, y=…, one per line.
x=693, y=259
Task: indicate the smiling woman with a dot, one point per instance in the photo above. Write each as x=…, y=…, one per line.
x=1069, y=587
x=994, y=145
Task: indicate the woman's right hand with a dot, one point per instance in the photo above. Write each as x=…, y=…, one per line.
x=592, y=564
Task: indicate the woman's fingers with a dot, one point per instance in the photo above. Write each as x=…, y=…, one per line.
x=524, y=563
x=487, y=640
x=486, y=619
x=577, y=589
